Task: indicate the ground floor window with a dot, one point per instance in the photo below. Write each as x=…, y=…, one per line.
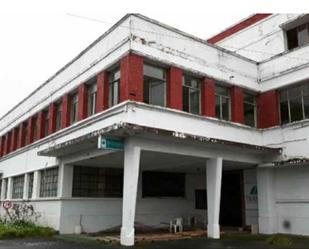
x=30, y=185
x=49, y=182
x=97, y=182
x=163, y=184
x=5, y=188
x=200, y=199
x=18, y=187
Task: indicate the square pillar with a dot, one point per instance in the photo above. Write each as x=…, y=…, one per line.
x=268, y=220
x=10, y=188
x=268, y=109
x=237, y=105
x=132, y=78
x=65, y=181
x=65, y=120
x=174, y=88
x=36, y=184
x=214, y=178
x=82, y=102
x=132, y=155
x=102, y=91
x=208, y=98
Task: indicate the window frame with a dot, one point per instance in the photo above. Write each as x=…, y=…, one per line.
x=199, y=89
x=228, y=97
x=297, y=30
x=74, y=108
x=92, y=95
x=254, y=108
x=59, y=117
x=163, y=81
x=50, y=190
x=114, y=78
x=18, y=183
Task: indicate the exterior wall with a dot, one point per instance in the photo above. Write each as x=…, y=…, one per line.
x=289, y=201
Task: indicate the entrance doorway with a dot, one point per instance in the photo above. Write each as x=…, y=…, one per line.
x=232, y=199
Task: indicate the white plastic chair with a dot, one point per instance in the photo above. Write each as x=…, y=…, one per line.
x=176, y=225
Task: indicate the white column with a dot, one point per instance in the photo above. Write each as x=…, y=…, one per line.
x=3, y=188
x=131, y=172
x=36, y=185
x=214, y=177
x=266, y=201
x=10, y=188
x=26, y=187
x=65, y=181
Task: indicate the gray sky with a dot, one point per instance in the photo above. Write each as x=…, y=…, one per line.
x=39, y=37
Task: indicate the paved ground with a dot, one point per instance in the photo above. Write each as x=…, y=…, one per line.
x=184, y=244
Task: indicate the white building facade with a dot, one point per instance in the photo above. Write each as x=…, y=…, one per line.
x=149, y=124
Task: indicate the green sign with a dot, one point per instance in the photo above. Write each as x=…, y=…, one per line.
x=110, y=143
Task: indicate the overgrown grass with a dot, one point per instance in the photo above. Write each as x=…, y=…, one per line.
x=24, y=229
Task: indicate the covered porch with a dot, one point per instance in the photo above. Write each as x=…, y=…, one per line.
x=199, y=160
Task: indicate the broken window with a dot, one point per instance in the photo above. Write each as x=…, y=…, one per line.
x=97, y=182
x=114, y=87
x=250, y=109
x=298, y=36
x=223, y=102
x=154, y=85
x=163, y=184
x=191, y=94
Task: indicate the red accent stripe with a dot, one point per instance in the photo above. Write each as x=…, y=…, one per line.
x=236, y=28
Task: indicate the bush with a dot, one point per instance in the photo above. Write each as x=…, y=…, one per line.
x=279, y=240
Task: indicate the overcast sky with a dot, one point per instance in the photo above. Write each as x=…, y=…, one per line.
x=38, y=37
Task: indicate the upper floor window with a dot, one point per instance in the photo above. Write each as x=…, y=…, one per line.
x=250, y=109
x=298, y=36
x=74, y=108
x=58, y=116
x=92, y=99
x=223, y=103
x=114, y=87
x=294, y=104
x=34, y=129
x=154, y=85
x=46, y=123
x=191, y=94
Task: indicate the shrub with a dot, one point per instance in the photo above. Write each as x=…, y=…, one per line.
x=279, y=240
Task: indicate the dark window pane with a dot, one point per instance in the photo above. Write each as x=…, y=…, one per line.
x=218, y=107
x=200, y=199
x=249, y=114
x=222, y=90
x=292, y=38
x=302, y=35
x=185, y=99
x=154, y=72
x=225, y=109
x=194, y=101
x=284, y=111
x=154, y=91
x=296, y=109
x=163, y=184
x=306, y=106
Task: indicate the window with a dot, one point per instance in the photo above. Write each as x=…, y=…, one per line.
x=46, y=123
x=163, y=184
x=18, y=187
x=200, y=199
x=191, y=94
x=97, y=182
x=30, y=185
x=154, y=85
x=114, y=87
x=92, y=99
x=294, y=104
x=5, y=188
x=298, y=36
x=34, y=129
x=223, y=103
x=58, y=116
x=49, y=182
x=250, y=109
x=74, y=108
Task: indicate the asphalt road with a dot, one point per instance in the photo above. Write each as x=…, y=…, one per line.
x=184, y=244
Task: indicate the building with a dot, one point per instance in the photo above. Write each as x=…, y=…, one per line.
x=135, y=129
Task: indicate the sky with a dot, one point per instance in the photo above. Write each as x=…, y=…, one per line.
x=39, y=37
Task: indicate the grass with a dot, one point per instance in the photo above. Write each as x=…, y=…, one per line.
x=22, y=230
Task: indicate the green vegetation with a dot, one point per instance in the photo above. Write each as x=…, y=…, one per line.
x=10, y=230
x=279, y=240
